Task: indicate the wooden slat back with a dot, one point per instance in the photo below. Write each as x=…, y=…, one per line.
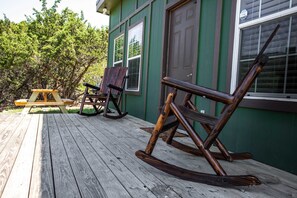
x=114, y=76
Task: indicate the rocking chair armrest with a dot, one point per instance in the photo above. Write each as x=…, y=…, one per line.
x=91, y=86
x=198, y=90
x=111, y=86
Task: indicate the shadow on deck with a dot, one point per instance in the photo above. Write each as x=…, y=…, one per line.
x=67, y=155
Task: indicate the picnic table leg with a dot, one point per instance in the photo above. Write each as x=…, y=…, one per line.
x=58, y=99
x=32, y=98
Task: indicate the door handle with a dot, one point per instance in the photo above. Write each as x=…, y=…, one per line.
x=189, y=75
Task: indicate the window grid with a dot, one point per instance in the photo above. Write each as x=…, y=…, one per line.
x=288, y=57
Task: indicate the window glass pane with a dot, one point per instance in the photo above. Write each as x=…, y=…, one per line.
x=293, y=38
x=278, y=45
x=292, y=75
x=271, y=79
x=134, y=48
x=249, y=43
x=273, y=6
x=133, y=73
x=294, y=3
x=249, y=10
x=243, y=69
x=135, y=41
x=134, y=56
x=119, y=48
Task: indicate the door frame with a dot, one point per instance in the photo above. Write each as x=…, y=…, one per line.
x=164, y=69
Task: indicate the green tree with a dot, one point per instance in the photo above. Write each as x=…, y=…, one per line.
x=18, y=52
x=50, y=49
x=68, y=47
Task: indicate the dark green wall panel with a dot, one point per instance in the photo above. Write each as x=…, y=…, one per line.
x=115, y=16
x=128, y=7
x=139, y=16
x=135, y=105
x=270, y=136
x=155, y=61
x=206, y=48
x=141, y=2
x=170, y=1
x=224, y=45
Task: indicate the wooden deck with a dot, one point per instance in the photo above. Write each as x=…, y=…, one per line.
x=68, y=155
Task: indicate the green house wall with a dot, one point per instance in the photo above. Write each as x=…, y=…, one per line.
x=269, y=135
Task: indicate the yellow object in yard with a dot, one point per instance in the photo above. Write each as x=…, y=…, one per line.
x=29, y=103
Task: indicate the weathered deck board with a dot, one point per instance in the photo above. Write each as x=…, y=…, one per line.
x=9, y=126
x=42, y=182
x=64, y=180
x=20, y=175
x=113, y=144
x=275, y=188
x=139, y=141
x=67, y=155
x=146, y=171
x=127, y=178
x=9, y=154
x=287, y=185
x=5, y=121
x=108, y=180
x=85, y=178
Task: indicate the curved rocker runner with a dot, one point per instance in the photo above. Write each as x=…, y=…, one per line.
x=212, y=125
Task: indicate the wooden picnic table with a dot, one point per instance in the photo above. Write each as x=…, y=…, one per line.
x=57, y=100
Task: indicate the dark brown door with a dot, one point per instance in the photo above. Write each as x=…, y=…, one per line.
x=182, y=43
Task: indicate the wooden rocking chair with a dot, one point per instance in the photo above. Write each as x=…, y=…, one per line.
x=111, y=89
x=212, y=125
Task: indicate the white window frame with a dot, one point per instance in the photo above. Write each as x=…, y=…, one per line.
x=236, y=46
x=134, y=57
x=114, y=44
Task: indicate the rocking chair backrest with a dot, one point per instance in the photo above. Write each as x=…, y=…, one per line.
x=114, y=76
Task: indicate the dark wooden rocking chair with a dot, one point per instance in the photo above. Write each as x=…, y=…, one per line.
x=111, y=89
x=212, y=125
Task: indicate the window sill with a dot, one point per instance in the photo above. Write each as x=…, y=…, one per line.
x=285, y=105
x=133, y=93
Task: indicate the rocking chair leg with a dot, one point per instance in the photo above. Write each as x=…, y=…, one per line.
x=173, y=131
x=159, y=125
x=83, y=103
x=219, y=144
x=94, y=106
x=106, y=104
x=197, y=140
x=171, y=135
x=115, y=105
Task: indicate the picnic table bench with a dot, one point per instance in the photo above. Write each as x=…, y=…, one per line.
x=32, y=101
